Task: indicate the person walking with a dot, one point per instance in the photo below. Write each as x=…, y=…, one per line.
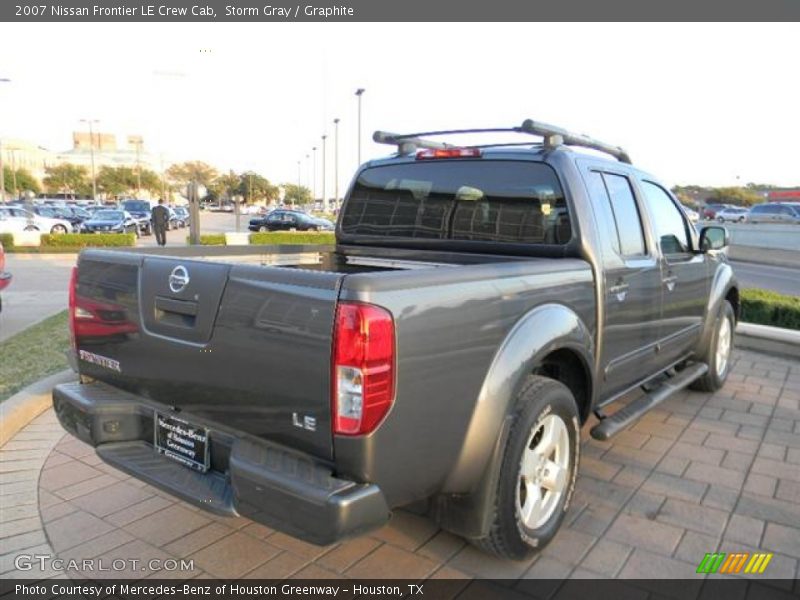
x=160, y=219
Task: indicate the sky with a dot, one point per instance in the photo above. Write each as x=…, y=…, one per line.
x=709, y=104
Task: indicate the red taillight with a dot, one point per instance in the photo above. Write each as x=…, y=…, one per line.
x=449, y=153
x=73, y=283
x=363, y=367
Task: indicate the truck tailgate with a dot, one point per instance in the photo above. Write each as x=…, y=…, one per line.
x=242, y=346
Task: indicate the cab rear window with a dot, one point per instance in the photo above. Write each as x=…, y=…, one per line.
x=478, y=200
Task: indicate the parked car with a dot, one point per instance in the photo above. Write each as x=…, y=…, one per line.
x=286, y=220
x=479, y=306
x=111, y=221
x=732, y=214
x=141, y=210
x=5, y=277
x=709, y=211
x=774, y=212
x=183, y=215
x=16, y=218
x=324, y=224
x=61, y=212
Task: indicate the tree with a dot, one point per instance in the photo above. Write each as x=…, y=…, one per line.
x=224, y=186
x=187, y=172
x=116, y=181
x=67, y=178
x=253, y=186
x=735, y=195
x=25, y=181
x=296, y=194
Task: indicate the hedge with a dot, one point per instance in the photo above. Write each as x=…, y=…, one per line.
x=70, y=242
x=282, y=237
x=210, y=239
x=764, y=307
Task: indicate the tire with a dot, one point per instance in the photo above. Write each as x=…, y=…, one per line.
x=263, y=228
x=31, y=228
x=718, y=358
x=520, y=526
x=720, y=219
x=58, y=230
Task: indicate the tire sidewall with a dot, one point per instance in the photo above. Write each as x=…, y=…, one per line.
x=725, y=312
x=554, y=399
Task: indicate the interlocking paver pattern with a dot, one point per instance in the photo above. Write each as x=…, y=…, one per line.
x=701, y=473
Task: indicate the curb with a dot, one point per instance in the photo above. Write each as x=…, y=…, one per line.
x=29, y=403
x=770, y=340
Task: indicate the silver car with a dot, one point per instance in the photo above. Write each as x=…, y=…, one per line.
x=774, y=212
x=733, y=214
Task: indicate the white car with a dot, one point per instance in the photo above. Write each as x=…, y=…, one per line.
x=733, y=214
x=691, y=213
x=14, y=219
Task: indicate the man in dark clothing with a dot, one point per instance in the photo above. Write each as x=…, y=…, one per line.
x=160, y=219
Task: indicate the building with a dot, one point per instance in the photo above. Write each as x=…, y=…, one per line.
x=784, y=195
x=108, y=153
x=20, y=154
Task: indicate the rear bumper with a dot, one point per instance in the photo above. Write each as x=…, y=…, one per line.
x=268, y=483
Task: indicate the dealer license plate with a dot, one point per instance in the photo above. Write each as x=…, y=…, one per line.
x=182, y=441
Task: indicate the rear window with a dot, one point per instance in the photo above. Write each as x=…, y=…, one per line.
x=504, y=201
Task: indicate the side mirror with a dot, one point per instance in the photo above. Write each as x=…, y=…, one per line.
x=713, y=237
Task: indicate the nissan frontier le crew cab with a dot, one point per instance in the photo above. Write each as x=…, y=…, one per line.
x=480, y=303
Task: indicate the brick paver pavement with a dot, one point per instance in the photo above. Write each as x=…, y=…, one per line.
x=700, y=473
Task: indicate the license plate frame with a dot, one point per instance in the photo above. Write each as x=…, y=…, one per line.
x=181, y=441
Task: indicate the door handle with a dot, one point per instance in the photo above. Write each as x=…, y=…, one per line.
x=620, y=290
x=670, y=281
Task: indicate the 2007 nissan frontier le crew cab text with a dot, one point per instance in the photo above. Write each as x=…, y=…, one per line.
x=480, y=303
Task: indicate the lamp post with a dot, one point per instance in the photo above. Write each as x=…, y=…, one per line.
x=138, y=144
x=359, y=92
x=90, y=122
x=299, y=180
x=336, y=161
x=2, y=171
x=314, y=172
x=14, y=171
x=324, y=199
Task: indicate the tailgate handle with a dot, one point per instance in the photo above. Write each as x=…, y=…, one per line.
x=180, y=307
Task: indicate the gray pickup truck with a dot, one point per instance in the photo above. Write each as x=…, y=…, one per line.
x=480, y=304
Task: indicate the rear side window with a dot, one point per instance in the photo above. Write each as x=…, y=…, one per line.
x=483, y=200
x=626, y=214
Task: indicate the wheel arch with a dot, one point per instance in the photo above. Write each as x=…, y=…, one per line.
x=724, y=286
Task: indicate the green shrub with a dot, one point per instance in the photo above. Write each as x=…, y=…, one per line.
x=210, y=239
x=7, y=239
x=770, y=308
x=290, y=237
x=84, y=240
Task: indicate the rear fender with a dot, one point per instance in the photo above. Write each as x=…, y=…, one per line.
x=465, y=502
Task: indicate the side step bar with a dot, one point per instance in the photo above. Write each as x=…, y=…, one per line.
x=613, y=424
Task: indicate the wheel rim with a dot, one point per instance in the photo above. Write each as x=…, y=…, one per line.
x=59, y=229
x=544, y=472
x=723, y=346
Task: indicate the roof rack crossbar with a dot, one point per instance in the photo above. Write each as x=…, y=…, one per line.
x=408, y=143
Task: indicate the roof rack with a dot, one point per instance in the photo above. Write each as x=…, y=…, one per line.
x=408, y=143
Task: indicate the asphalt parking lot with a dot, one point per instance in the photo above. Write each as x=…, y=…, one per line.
x=701, y=473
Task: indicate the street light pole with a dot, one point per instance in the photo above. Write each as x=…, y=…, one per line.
x=138, y=168
x=2, y=170
x=91, y=150
x=314, y=172
x=14, y=171
x=359, y=92
x=324, y=199
x=299, y=184
x=336, y=161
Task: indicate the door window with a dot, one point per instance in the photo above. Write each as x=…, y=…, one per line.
x=621, y=215
x=668, y=222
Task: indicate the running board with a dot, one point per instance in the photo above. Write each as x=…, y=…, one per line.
x=613, y=424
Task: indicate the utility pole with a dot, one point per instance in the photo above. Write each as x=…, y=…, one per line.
x=299, y=179
x=14, y=171
x=336, y=161
x=91, y=150
x=359, y=92
x=324, y=199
